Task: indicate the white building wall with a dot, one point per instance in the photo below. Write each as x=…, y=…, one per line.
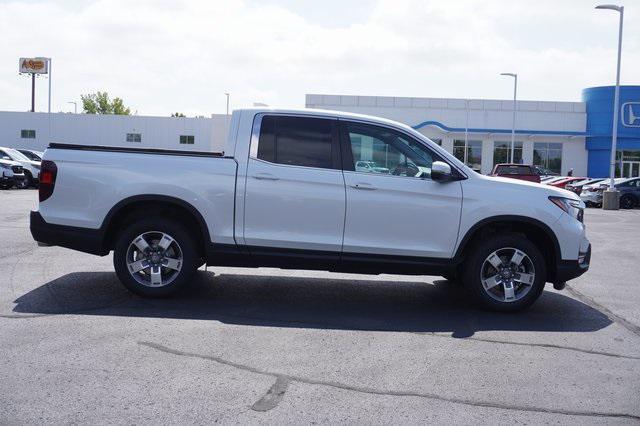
x=111, y=130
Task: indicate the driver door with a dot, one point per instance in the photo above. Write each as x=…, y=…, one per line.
x=395, y=208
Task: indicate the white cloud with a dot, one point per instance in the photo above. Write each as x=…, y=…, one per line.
x=165, y=56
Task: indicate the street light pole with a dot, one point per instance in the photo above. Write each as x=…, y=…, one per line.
x=513, y=117
x=610, y=201
x=49, y=108
x=227, y=95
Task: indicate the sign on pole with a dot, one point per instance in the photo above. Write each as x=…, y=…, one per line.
x=34, y=65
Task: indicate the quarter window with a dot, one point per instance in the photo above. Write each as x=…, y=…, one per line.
x=134, y=137
x=187, y=139
x=27, y=134
x=384, y=151
x=296, y=141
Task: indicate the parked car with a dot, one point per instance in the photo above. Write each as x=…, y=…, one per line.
x=31, y=168
x=554, y=179
x=285, y=194
x=563, y=182
x=592, y=194
x=576, y=187
x=31, y=154
x=11, y=174
x=370, y=166
x=516, y=171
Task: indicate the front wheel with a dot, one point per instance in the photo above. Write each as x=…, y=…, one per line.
x=505, y=273
x=155, y=257
x=627, y=202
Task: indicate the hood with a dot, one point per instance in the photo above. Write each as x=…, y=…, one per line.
x=539, y=188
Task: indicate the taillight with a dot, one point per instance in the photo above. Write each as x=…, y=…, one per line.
x=48, y=173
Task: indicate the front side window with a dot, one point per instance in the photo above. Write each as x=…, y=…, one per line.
x=469, y=152
x=548, y=155
x=296, y=141
x=502, y=152
x=384, y=151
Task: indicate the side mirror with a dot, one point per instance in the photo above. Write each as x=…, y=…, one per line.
x=441, y=171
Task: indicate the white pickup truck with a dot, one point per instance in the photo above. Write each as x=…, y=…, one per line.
x=286, y=193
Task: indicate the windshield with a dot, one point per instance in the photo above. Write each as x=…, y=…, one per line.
x=30, y=155
x=15, y=155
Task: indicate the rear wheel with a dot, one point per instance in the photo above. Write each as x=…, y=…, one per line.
x=627, y=202
x=155, y=257
x=28, y=180
x=505, y=273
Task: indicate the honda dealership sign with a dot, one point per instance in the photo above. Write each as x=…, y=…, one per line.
x=34, y=65
x=631, y=114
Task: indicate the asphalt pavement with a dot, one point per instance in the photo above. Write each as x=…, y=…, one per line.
x=268, y=346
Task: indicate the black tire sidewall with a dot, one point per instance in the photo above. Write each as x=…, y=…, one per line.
x=482, y=250
x=625, y=199
x=178, y=233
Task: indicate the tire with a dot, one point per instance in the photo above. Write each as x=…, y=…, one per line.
x=28, y=180
x=627, y=202
x=180, y=257
x=504, y=285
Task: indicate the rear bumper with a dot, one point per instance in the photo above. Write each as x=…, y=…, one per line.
x=81, y=239
x=569, y=269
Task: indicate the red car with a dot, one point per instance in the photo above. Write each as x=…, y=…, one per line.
x=563, y=182
x=516, y=171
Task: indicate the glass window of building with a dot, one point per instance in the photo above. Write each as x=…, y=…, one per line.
x=134, y=137
x=27, y=134
x=629, y=161
x=470, y=153
x=187, y=139
x=548, y=155
x=502, y=152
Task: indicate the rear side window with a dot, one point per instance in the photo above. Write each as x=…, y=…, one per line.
x=514, y=170
x=296, y=141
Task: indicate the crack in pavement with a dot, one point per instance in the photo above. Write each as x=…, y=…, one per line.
x=374, y=391
x=274, y=395
x=635, y=329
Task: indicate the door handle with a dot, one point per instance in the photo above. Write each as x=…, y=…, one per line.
x=265, y=176
x=366, y=186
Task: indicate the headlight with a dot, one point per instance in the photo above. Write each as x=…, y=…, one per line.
x=574, y=208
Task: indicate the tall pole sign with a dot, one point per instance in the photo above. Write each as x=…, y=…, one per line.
x=33, y=66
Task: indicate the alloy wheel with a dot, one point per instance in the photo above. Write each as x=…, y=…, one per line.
x=507, y=274
x=154, y=259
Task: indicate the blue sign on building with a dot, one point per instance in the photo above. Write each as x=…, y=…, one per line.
x=599, y=103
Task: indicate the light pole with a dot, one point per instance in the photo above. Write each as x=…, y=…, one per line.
x=227, y=95
x=610, y=201
x=49, y=107
x=513, y=118
x=75, y=106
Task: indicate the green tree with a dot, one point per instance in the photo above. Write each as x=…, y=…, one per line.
x=178, y=114
x=99, y=103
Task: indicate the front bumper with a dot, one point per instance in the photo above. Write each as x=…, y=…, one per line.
x=569, y=269
x=591, y=197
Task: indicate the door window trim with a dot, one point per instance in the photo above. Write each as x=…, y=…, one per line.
x=348, y=164
x=335, y=142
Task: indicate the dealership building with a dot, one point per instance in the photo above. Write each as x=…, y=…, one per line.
x=558, y=136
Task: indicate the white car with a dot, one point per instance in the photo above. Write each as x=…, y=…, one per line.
x=31, y=154
x=286, y=193
x=11, y=174
x=31, y=168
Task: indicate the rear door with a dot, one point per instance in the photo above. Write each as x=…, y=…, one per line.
x=396, y=209
x=295, y=196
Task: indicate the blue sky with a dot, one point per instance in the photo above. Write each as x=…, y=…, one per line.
x=164, y=56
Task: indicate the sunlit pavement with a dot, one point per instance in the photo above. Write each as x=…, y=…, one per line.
x=274, y=346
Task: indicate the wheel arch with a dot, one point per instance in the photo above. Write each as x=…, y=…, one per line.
x=536, y=231
x=132, y=207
